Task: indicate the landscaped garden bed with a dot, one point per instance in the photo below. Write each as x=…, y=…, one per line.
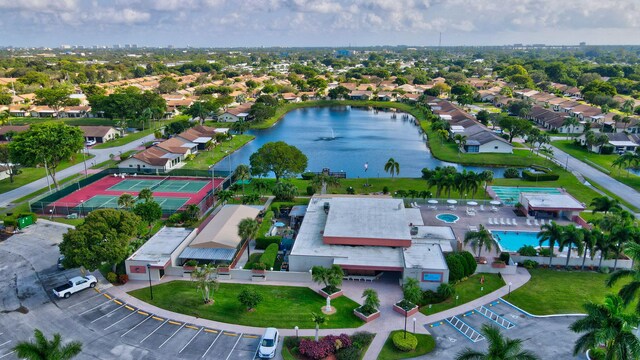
x=349, y=347
x=281, y=306
x=406, y=308
x=327, y=292
x=423, y=345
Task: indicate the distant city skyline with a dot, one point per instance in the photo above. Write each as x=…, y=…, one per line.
x=313, y=23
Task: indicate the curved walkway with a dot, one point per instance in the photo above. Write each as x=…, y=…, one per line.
x=389, y=320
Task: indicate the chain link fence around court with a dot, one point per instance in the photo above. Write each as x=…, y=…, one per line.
x=48, y=203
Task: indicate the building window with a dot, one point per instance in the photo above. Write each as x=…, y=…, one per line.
x=431, y=277
x=130, y=165
x=495, y=147
x=473, y=148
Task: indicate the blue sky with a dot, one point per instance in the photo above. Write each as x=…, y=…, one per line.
x=224, y=23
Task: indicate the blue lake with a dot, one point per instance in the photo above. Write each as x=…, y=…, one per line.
x=345, y=138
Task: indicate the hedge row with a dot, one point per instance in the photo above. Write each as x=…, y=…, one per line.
x=264, y=241
x=13, y=219
x=266, y=224
x=268, y=258
x=528, y=175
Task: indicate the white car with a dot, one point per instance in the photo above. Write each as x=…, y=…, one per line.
x=74, y=285
x=268, y=344
x=90, y=142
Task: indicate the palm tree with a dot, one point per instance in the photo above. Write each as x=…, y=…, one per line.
x=371, y=300
x=621, y=234
x=608, y=325
x=243, y=173
x=553, y=233
x=602, y=243
x=480, y=239
x=570, y=122
x=224, y=195
x=487, y=177
x=206, y=281
x=627, y=106
x=588, y=245
x=239, y=127
x=4, y=117
x=600, y=141
x=126, y=201
x=628, y=159
x=461, y=140
x=260, y=185
x=43, y=349
x=572, y=237
x=318, y=319
x=443, y=135
x=247, y=230
x=146, y=195
x=323, y=180
x=632, y=289
x=500, y=348
x=392, y=167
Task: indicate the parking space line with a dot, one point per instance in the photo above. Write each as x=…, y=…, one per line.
x=109, y=313
x=175, y=332
x=5, y=343
x=156, y=329
x=210, y=346
x=234, y=347
x=128, y=331
x=187, y=344
x=84, y=301
x=7, y=354
x=95, y=307
x=119, y=321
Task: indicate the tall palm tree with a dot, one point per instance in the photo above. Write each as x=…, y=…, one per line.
x=487, y=177
x=4, y=117
x=588, y=245
x=461, y=140
x=604, y=204
x=243, y=173
x=632, y=289
x=392, y=167
x=126, y=201
x=146, y=195
x=551, y=233
x=627, y=106
x=572, y=237
x=602, y=243
x=628, y=159
x=318, y=319
x=43, y=349
x=260, y=185
x=500, y=348
x=480, y=239
x=443, y=135
x=322, y=181
x=570, y=122
x=621, y=235
x=247, y=230
x=608, y=325
x=224, y=195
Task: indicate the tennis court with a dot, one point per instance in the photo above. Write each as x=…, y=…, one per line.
x=111, y=201
x=160, y=185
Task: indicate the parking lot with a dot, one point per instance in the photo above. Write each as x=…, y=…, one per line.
x=6, y=345
x=537, y=333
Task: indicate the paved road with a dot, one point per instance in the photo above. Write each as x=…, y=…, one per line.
x=100, y=156
x=623, y=191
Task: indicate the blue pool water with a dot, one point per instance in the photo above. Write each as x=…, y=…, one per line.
x=509, y=195
x=448, y=218
x=513, y=240
x=344, y=139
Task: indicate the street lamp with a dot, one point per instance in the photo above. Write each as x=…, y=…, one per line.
x=150, y=287
x=84, y=160
x=296, y=328
x=509, y=295
x=414, y=325
x=457, y=296
x=81, y=208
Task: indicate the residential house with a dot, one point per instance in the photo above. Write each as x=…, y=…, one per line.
x=479, y=139
x=43, y=112
x=7, y=131
x=385, y=96
x=177, y=145
x=239, y=113
x=174, y=106
x=75, y=112
x=360, y=95
x=100, y=134
x=291, y=97
x=152, y=160
x=621, y=142
x=196, y=136
x=551, y=120
x=18, y=110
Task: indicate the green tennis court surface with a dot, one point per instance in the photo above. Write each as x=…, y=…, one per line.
x=160, y=185
x=107, y=201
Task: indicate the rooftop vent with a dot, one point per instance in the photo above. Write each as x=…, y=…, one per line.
x=326, y=208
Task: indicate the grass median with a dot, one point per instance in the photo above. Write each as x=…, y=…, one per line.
x=206, y=158
x=282, y=306
x=467, y=291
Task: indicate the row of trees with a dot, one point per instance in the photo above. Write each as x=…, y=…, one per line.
x=447, y=178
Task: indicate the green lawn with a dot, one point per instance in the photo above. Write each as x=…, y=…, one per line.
x=282, y=306
x=467, y=291
x=29, y=175
x=560, y=292
x=205, y=159
x=611, y=195
x=426, y=344
x=599, y=162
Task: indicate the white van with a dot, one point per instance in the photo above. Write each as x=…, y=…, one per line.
x=268, y=344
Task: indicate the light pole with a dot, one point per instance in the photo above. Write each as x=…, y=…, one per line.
x=405, y=323
x=84, y=160
x=150, y=286
x=457, y=296
x=509, y=295
x=81, y=208
x=414, y=325
x=296, y=328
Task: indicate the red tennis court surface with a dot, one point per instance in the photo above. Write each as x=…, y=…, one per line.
x=102, y=187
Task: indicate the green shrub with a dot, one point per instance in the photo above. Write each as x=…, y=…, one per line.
x=307, y=175
x=604, y=270
x=268, y=258
x=530, y=264
x=191, y=263
x=10, y=221
x=529, y=176
x=385, y=190
x=275, y=209
x=606, y=150
x=446, y=290
x=527, y=250
x=291, y=342
x=350, y=353
x=512, y=173
x=544, y=252
x=470, y=261
x=310, y=190
x=456, y=270
x=504, y=256
x=361, y=339
x=402, y=344
x=112, y=277
x=175, y=218
x=264, y=241
x=430, y=297
x=351, y=190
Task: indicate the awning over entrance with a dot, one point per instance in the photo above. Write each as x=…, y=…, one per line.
x=208, y=254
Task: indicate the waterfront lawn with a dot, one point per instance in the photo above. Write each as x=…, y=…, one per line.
x=599, y=162
x=426, y=344
x=29, y=174
x=205, y=159
x=466, y=291
x=282, y=306
x=561, y=292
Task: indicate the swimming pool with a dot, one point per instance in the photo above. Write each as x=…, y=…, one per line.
x=448, y=218
x=512, y=241
x=509, y=195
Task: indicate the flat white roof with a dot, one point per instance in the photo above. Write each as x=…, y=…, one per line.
x=434, y=233
x=552, y=201
x=158, y=249
x=425, y=255
x=414, y=216
x=623, y=143
x=364, y=217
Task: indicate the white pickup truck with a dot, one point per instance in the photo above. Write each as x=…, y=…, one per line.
x=74, y=285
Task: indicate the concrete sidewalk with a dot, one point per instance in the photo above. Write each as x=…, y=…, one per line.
x=389, y=320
